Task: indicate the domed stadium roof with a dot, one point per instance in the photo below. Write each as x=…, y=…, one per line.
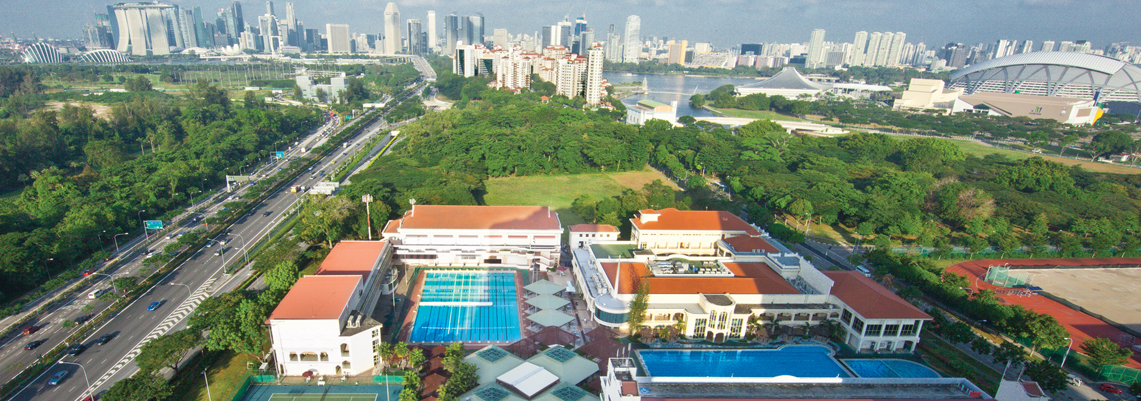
x=104, y=56
x=42, y=53
x=1062, y=74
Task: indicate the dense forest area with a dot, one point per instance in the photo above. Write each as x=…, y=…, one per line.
x=82, y=178
x=871, y=75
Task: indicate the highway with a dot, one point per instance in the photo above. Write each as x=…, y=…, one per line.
x=178, y=293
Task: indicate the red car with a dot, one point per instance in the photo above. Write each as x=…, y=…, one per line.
x=1109, y=388
x=88, y=272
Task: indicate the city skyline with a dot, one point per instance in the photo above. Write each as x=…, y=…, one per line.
x=935, y=24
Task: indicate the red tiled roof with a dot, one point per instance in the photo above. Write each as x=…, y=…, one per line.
x=750, y=278
x=392, y=227
x=694, y=220
x=749, y=244
x=870, y=299
x=629, y=388
x=481, y=217
x=1033, y=390
x=594, y=228
x=352, y=258
x=317, y=297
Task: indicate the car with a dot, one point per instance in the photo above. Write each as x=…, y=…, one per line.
x=88, y=272
x=154, y=305
x=170, y=236
x=267, y=213
x=1109, y=388
x=57, y=378
x=32, y=345
x=82, y=319
x=76, y=349
x=104, y=339
x=30, y=329
x=218, y=253
x=209, y=243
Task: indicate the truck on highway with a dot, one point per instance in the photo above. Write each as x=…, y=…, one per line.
x=297, y=188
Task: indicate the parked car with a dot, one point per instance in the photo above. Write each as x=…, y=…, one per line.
x=1109, y=388
x=76, y=349
x=57, y=378
x=104, y=339
x=32, y=345
x=154, y=305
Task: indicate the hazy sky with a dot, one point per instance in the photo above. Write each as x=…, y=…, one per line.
x=722, y=22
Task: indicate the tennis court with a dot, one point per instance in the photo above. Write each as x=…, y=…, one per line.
x=340, y=392
x=322, y=397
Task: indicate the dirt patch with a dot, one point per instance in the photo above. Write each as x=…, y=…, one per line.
x=101, y=111
x=637, y=179
x=1100, y=291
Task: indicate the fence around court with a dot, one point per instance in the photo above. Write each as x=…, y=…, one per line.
x=250, y=378
x=1121, y=374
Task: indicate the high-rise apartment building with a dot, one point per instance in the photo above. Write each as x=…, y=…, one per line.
x=501, y=37
x=1027, y=46
x=613, y=46
x=1003, y=48
x=416, y=38
x=474, y=29
x=633, y=46
x=896, y=51
x=859, y=47
x=338, y=35
x=453, y=26
x=392, y=40
x=432, y=45
x=237, y=17
x=676, y=52
x=142, y=28
x=593, y=88
x=1048, y=46
x=816, y=53
x=884, y=49
x=464, y=61
x=872, y=49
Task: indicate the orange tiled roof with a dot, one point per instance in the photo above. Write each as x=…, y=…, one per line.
x=750, y=278
x=870, y=299
x=316, y=297
x=694, y=220
x=746, y=243
x=352, y=257
x=594, y=228
x=481, y=217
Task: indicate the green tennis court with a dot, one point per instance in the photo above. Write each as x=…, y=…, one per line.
x=322, y=397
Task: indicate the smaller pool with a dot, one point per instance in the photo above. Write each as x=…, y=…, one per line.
x=797, y=361
x=890, y=369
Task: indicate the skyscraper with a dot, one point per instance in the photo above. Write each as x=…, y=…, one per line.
x=633, y=47
x=894, y=53
x=871, y=50
x=1048, y=46
x=452, y=28
x=338, y=38
x=142, y=28
x=585, y=40
x=594, y=75
x=291, y=24
x=432, y=31
x=474, y=29
x=501, y=37
x=613, y=46
x=676, y=52
x=239, y=20
x=815, y=57
x=884, y=48
x=392, y=40
x=416, y=43
x=269, y=8
x=859, y=46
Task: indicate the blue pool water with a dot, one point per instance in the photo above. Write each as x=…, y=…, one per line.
x=797, y=361
x=467, y=306
x=890, y=369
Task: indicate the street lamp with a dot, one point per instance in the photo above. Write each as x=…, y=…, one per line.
x=81, y=369
x=147, y=233
x=1063, y=365
x=188, y=290
x=116, y=238
x=111, y=277
x=245, y=255
x=209, y=397
x=367, y=198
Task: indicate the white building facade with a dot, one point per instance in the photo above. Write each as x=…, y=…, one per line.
x=521, y=237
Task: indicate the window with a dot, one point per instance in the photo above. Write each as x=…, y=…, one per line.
x=722, y=320
x=891, y=330
x=468, y=257
x=699, y=327
x=344, y=350
x=846, y=317
x=324, y=357
x=612, y=318
x=293, y=357
x=346, y=365
x=909, y=329
x=873, y=330
x=735, y=328
x=858, y=325
x=375, y=333
x=308, y=357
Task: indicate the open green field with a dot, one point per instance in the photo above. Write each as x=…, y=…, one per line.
x=977, y=149
x=763, y=114
x=560, y=191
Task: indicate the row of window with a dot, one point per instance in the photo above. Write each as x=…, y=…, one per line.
x=879, y=330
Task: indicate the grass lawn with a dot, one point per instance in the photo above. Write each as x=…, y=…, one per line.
x=950, y=362
x=763, y=114
x=560, y=191
x=974, y=148
x=226, y=373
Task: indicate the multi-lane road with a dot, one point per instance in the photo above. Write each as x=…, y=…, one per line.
x=178, y=293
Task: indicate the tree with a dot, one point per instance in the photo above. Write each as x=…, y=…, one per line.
x=1107, y=142
x=981, y=346
x=140, y=386
x=1049, y=376
x=801, y=207
x=167, y=351
x=242, y=330
x=1009, y=352
x=323, y=219
x=138, y=84
x=281, y=277
x=416, y=358
x=1046, y=332
x=641, y=303
x=1105, y=352
x=321, y=95
x=697, y=101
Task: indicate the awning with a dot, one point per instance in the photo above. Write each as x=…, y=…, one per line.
x=550, y=317
x=547, y=302
x=544, y=287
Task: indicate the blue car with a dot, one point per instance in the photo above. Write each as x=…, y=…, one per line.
x=58, y=377
x=154, y=305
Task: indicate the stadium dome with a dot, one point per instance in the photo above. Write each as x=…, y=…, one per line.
x=42, y=53
x=104, y=56
x=1061, y=74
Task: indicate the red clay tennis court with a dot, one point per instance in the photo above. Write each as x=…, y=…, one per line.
x=1080, y=325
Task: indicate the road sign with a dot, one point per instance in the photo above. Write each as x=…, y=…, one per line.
x=153, y=224
x=279, y=154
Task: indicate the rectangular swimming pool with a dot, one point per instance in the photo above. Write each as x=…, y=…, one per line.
x=467, y=306
x=796, y=361
x=890, y=369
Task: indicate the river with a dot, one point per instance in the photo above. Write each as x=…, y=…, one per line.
x=668, y=88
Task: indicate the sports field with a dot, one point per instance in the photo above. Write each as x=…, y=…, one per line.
x=1106, y=292
x=560, y=191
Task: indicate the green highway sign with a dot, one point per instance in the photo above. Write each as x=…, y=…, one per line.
x=153, y=224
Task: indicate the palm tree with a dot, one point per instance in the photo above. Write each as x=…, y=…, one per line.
x=888, y=281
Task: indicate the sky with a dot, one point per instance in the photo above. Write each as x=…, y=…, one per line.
x=724, y=23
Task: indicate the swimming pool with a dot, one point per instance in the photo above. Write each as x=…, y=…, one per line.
x=890, y=369
x=467, y=306
x=797, y=361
